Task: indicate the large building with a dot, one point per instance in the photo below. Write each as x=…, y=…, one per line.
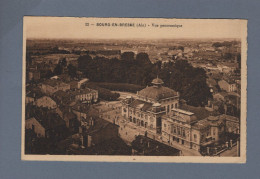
x=155, y=110
x=150, y=105
x=51, y=86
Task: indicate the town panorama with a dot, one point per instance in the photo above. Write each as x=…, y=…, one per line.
x=174, y=97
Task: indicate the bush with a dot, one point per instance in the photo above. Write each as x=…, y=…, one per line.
x=125, y=87
x=103, y=93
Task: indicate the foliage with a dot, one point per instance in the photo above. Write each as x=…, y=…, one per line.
x=180, y=76
x=120, y=86
x=103, y=93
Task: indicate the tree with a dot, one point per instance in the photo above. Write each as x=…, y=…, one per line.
x=128, y=56
x=58, y=69
x=72, y=71
x=180, y=75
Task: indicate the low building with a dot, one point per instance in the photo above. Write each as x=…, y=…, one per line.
x=32, y=95
x=221, y=96
x=177, y=127
x=227, y=86
x=86, y=95
x=62, y=98
x=145, y=146
x=46, y=124
x=35, y=126
x=34, y=75
x=50, y=86
x=96, y=131
x=207, y=131
x=232, y=124
x=47, y=102
x=84, y=111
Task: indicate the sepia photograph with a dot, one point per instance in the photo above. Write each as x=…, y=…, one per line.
x=134, y=89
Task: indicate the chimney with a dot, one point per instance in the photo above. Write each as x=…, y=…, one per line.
x=91, y=121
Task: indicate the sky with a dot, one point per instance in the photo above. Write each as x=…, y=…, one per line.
x=75, y=28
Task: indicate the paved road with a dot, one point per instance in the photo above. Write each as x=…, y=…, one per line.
x=123, y=95
x=230, y=153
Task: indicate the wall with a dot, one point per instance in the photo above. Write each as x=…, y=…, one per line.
x=38, y=129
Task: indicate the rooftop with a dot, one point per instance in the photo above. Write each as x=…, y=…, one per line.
x=53, y=82
x=142, y=105
x=183, y=111
x=157, y=81
x=82, y=91
x=157, y=93
x=150, y=147
x=48, y=119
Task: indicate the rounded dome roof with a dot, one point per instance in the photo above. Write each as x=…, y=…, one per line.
x=157, y=81
x=157, y=93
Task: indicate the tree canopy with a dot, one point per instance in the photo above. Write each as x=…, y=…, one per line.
x=180, y=75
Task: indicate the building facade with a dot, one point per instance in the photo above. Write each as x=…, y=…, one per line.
x=86, y=95
x=155, y=112
x=53, y=85
x=35, y=126
x=228, y=87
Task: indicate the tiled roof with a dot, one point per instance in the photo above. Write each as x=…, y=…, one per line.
x=82, y=91
x=150, y=147
x=209, y=121
x=47, y=119
x=142, y=105
x=157, y=93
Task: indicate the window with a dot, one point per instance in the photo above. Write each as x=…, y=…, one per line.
x=142, y=123
x=134, y=120
x=172, y=106
x=174, y=130
x=195, y=138
x=131, y=119
x=179, y=131
x=183, y=133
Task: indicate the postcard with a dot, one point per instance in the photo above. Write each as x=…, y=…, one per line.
x=134, y=90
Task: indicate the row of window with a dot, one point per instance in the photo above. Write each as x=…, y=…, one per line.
x=140, y=122
x=172, y=106
x=138, y=114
